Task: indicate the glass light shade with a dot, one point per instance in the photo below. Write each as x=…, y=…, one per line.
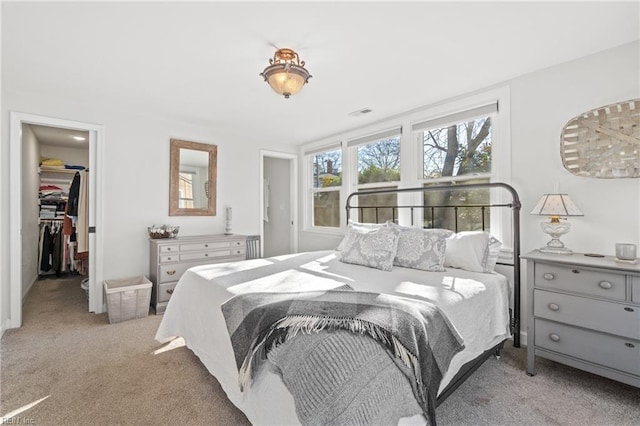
x=286, y=73
x=284, y=81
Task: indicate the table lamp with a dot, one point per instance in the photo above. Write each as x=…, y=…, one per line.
x=556, y=206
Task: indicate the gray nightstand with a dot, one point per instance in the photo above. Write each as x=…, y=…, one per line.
x=584, y=312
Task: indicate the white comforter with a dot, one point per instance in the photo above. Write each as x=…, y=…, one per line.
x=477, y=304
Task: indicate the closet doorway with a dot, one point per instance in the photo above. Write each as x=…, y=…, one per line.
x=39, y=193
x=279, y=201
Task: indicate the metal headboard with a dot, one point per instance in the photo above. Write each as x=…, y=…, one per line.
x=514, y=205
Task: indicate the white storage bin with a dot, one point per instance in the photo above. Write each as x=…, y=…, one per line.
x=127, y=298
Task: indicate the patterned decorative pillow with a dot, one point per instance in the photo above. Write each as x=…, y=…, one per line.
x=422, y=249
x=475, y=251
x=349, y=235
x=375, y=248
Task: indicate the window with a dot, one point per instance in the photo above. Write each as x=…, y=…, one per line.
x=459, y=142
x=457, y=149
x=326, y=178
x=378, y=165
x=185, y=190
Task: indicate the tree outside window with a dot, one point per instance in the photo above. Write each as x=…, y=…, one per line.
x=461, y=151
x=378, y=162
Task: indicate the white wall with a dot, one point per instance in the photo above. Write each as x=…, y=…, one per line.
x=542, y=103
x=136, y=178
x=30, y=208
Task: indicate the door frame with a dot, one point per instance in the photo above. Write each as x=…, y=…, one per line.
x=96, y=167
x=293, y=188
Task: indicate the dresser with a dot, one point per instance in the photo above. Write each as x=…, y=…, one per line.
x=584, y=312
x=171, y=257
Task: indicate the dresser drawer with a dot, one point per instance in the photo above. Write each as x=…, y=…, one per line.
x=211, y=254
x=173, y=248
x=205, y=245
x=635, y=289
x=575, y=279
x=614, y=318
x=165, y=290
x=610, y=351
x=172, y=272
x=168, y=258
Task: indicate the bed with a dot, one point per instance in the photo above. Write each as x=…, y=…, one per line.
x=477, y=305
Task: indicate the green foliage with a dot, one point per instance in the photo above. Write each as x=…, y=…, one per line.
x=376, y=174
x=328, y=181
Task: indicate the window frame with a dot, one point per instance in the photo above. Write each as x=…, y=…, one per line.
x=500, y=220
x=311, y=190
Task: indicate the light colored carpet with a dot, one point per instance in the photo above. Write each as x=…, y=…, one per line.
x=95, y=373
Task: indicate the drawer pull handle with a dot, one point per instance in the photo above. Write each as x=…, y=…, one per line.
x=206, y=245
x=630, y=345
x=168, y=258
x=172, y=272
x=554, y=337
x=553, y=306
x=575, y=271
x=605, y=284
x=168, y=248
x=628, y=309
x=170, y=291
x=206, y=255
x=548, y=276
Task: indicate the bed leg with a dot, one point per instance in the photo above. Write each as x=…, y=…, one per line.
x=497, y=353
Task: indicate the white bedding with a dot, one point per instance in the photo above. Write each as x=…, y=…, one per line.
x=476, y=303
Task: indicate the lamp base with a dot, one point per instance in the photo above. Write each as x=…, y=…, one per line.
x=555, y=230
x=555, y=250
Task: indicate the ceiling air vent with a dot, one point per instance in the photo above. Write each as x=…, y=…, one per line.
x=360, y=112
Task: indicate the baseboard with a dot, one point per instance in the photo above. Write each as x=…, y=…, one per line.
x=26, y=293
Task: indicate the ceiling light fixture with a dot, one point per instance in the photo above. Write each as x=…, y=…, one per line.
x=79, y=138
x=286, y=73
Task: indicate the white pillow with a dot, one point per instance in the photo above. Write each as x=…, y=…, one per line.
x=475, y=251
x=375, y=248
x=422, y=249
x=363, y=227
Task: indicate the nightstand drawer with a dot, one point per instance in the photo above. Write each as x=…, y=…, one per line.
x=614, y=318
x=610, y=351
x=575, y=279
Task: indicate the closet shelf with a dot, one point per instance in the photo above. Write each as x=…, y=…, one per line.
x=45, y=169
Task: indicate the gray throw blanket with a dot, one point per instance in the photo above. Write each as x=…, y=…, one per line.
x=415, y=333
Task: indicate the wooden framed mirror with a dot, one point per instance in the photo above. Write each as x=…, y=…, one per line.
x=193, y=178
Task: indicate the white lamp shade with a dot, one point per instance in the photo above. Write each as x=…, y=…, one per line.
x=556, y=205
